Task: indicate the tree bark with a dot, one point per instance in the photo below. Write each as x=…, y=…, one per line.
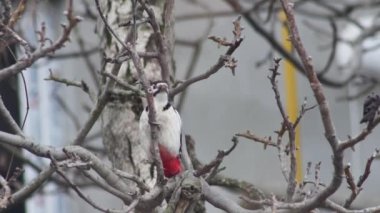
x=121, y=115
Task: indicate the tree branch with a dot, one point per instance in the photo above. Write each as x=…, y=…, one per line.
x=7, y=117
x=162, y=44
x=267, y=141
x=324, y=111
x=43, y=51
x=124, y=84
x=214, y=164
x=32, y=186
x=212, y=70
x=82, y=84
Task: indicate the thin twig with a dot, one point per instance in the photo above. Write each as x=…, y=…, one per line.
x=162, y=44
x=351, y=142
x=8, y=119
x=19, y=39
x=82, y=84
x=292, y=184
x=217, y=161
x=195, y=56
x=108, y=27
x=351, y=185
x=357, y=188
x=151, y=115
x=104, y=186
x=134, y=178
x=79, y=192
x=124, y=84
x=212, y=70
x=338, y=208
x=149, y=96
x=86, y=57
x=267, y=141
x=32, y=186
x=81, y=53
x=26, y=100
x=302, y=112
x=43, y=51
x=324, y=111
x=257, y=26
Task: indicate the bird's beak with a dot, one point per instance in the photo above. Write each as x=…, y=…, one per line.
x=163, y=88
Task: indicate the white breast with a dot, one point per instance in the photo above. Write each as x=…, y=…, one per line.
x=169, y=135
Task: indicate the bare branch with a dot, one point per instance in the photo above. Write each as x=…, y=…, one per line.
x=124, y=56
x=76, y=188
x=257, y=26
x=82, y=84
x=190, y=145
x=185, y=157
x=302, y=112
x=26, y=100
x=162, y=44
x=43, y=51
x=32, y=186
x=60, y=154
x=267, y=141
x=219, y=201
x=81, y=53
x=134, y=178
x=149, y=96
x=17, y=13
x=7, y=117
x=195, y=56
x=86, y=57
x=291, y=131
x=351, y=186
x=357, y=188
x=94, y=115
x=214, y=164
x=324, y=111
x=87, y=199
x=338, y=208
x=367, y=170
x=100, y=12
x=212, y=70
x=104, y=185
x=148, y=200
x=18, y=38
x=151, y=115
x=248, y=189
x=351, y=142
x=124, y=84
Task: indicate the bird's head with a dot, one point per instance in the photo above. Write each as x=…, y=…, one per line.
x=160, y=91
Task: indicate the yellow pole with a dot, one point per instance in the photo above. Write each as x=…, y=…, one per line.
x=290, y=78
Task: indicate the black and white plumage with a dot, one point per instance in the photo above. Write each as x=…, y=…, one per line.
x=370, y=108
x=169, y=135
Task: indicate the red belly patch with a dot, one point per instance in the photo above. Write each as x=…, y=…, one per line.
x=172, y=164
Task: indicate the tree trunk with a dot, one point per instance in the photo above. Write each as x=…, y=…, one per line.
x=121, y=115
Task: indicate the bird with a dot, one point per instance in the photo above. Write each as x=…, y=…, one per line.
x=370, y=108
x=169, y=133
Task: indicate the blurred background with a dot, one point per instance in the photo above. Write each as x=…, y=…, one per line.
x=340, y=36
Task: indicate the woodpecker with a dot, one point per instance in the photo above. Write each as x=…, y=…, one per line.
x=169, y=134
